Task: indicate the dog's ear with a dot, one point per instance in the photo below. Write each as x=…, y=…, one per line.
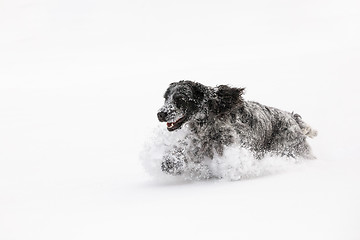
x=198, y=91
x=226, y=99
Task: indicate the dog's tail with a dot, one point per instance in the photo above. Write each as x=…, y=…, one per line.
x=306, y=129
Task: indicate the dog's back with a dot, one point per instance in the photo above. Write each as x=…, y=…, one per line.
x=273, y=130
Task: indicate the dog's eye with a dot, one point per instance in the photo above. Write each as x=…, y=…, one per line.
x=179, y=100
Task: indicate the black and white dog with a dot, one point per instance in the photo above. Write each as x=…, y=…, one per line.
x=219, y=117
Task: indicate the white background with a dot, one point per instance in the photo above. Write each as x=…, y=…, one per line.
x=80, y=85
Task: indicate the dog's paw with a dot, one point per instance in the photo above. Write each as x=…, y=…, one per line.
x=172, y=165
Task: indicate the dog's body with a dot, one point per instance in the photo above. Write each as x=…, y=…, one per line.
x=219, y=117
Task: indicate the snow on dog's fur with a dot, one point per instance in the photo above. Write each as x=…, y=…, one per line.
x=208, y=125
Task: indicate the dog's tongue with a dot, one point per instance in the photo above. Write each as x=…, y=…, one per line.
x=169, y=125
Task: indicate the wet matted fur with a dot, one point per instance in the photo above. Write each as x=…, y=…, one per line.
x=219, y=117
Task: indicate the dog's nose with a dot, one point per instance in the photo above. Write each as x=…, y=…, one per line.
x=161, y=116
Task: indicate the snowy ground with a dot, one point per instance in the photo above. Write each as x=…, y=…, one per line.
x=80, y=84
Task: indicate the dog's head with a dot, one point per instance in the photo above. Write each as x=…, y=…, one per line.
x=186, y=98
x=182, y=100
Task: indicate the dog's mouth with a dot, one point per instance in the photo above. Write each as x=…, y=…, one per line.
x=171, y=126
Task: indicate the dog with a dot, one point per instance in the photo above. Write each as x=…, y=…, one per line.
x=217, y=117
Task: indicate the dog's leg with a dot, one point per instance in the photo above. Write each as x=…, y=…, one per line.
x=174, y=162
x=303, y=150
x=290, y=141
x=295, y=148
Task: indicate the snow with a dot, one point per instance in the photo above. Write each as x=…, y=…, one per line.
x=235, y=164
x=80, y=86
